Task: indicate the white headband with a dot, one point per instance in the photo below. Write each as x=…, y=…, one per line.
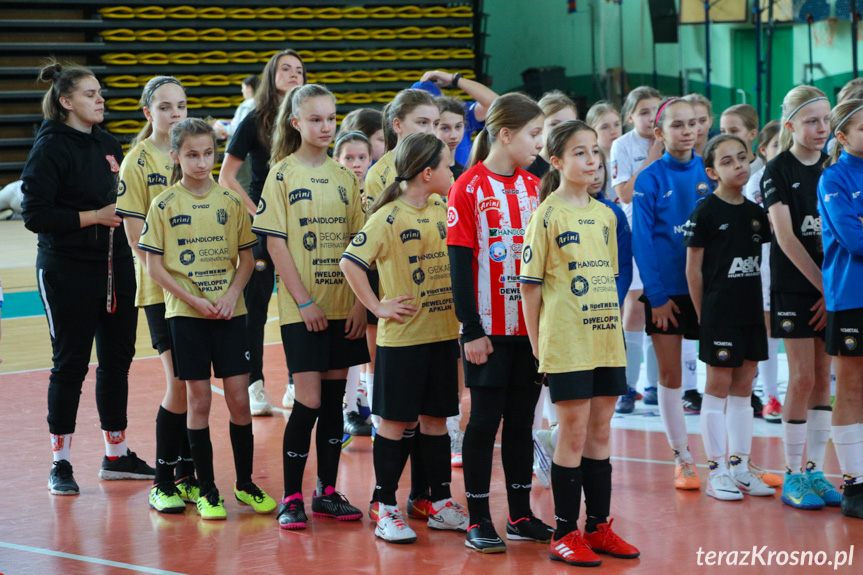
x=846, y=118
x=806, y=103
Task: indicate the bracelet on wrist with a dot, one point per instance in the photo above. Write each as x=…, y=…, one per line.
x=307, y=304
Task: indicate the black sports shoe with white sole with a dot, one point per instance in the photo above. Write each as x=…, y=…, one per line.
x=60, y=480
x=528, y=529
x=483, y=538
x=126, y=467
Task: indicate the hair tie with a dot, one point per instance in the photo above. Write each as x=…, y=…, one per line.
x=400, y=179
x=661, y=108
x=343, y=136
x=56, y=75
x=169, y=80
x=845, y=119
x=806, y=103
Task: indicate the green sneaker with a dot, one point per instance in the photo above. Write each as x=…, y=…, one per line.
x=165, y=498
x=252, y=495
x=211, y=506
x=189, y=489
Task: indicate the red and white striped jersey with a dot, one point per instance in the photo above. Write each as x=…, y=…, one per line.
x=489, y=213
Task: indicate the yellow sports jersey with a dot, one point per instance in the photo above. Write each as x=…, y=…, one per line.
x=316, y=211
x=409, y=247
x=572, y=252
x=379, y=176
x=144, y=174
x=199, y=239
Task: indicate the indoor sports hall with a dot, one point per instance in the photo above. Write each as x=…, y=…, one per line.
x=592, y=55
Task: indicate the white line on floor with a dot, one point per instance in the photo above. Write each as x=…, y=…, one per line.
x=85, y=559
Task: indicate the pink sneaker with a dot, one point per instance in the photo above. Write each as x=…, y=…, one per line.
x=773, y=411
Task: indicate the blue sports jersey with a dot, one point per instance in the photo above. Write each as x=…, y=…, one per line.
x=840, y=204
x=471, y=125
x=665, y=194
x=624, y=249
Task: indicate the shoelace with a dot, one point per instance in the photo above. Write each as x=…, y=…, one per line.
x=397, y=520
x=799, y=482
x=688, y=468
x=819, y=484
x=212, y=498
x=64, y=471
x=254, y=491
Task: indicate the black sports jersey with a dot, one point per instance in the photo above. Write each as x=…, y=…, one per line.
x=731, y=235
x=457, y=170
x=539, y=167
x=788, y=181
x=246, y=142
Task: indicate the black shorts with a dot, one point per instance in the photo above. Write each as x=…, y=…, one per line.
x=160, y=334
x=687, y=319
x=844, y=332
x=322, y=351
x=201, y=343
x=416, y=380
x=375, y=282
x=597, y=382
x=790, y=314
x=731, y=345
x=512, y=363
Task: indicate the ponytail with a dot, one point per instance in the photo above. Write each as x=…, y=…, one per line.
x=413, y=155
x=841, y=122
x=512, y=111
x=286, y=138
x=150, y=88
x=550, y=182
x=64, y=80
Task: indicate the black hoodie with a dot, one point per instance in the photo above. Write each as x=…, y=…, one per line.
x=69, y=171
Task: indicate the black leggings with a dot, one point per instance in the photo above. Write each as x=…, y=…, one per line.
x=258, y=292
x=75, y=306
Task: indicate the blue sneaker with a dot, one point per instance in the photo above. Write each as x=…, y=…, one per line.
x=797, y=493
x=823, y=488
x=626, y=402
x=650, y=396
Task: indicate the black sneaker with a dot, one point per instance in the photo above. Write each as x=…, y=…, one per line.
x=334, y=504
x=356, y=425
x=292, y=514
x=126, y=467
x=757, y=405
x=852, y=500
x=483, y=538
x=691, y=401
x=528, y=529
x=60, y=480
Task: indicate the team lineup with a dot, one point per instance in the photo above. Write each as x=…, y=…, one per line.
x=498, y=244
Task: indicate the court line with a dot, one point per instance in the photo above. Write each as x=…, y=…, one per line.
x=85, y=559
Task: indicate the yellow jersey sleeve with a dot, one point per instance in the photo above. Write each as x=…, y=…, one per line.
x=379, y=176
x=369, y=244
x=535, y=251
x=271, y=218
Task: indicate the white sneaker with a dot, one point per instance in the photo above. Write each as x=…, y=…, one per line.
x=721, y=486
x=288, y=399
x=542, y=454
x=260, y=401
x=455, y=448
x=450, y=516
x=391, y=526
x=751, y=484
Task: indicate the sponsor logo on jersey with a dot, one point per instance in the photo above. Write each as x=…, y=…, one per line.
x=145, y=229
x=614, y=169
x=343, y=194
x=681, y=229
x=222, y=216
x=299, y=195
x=441, y=229
x=112, y=161
x=743, y=267
x=589, y=264
x=756, y=238
x=849, y=330
x=198, y=240
x=850, y=342
x=392, y=217
x=756, y=225
x=489, y=204
x=262, y=206
x=567, y=238
x=157, y=180
x=829, y=195
x=787, y=325
x=323, y=220
x=795, y=185
x=201, y=207
x=668, y=194
x=167, y=199
x=187, y=257
x=310, y=241
x=280, y=176
x=526, y=254
x=497, y=251
x=547, y=216
x=723, y=227
x=121, y=189
x=855, y=195
x=231, y=197
x=702, y=188
x=503, y=232
x=260, y=265
x=605, y=232
x=181, y=220
x=418, y=276
x=409, y=235
x=320, y=180
x=579, y=285
x=359, y=239
x=722, y=354
x=451, y=216
x=811, y=226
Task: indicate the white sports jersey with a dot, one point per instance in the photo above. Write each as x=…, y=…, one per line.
x=628, y=153
x=752, y=191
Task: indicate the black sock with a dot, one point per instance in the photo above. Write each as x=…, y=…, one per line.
x=202, y=453
x=170, y=427
x=243, y=445
x=419, y=475
x=596, y=482
x=388, y=469
x=186, y=465
x=566, y=489
x=437, y=458
x=328, y=436
x=477, y=454
x=295, y=446
x=517, y=458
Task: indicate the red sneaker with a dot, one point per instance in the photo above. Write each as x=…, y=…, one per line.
x=572, y=549
x=419, y=508
x=606, y=541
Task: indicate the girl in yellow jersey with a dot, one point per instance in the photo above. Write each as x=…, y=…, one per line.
x=198, y=241
x=417, y=350
x=310, y=209
x=144, y=174
x=569, y=294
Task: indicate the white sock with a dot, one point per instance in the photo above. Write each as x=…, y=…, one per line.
x=550, y=411
x=738, y=420
x=552, y=437
x=671, y=412
x=795, y=440
x=634, y=351
x=650, y=361
x=689, y=364
x=62, y=446
x=352, y=388
x=370, y=388
x=848, y=441
x=769, y=370
x=713, y=431
x=115, y=443
x=817, y=437
x=540, y=407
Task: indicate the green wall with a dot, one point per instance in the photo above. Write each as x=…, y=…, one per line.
x=544, y=34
